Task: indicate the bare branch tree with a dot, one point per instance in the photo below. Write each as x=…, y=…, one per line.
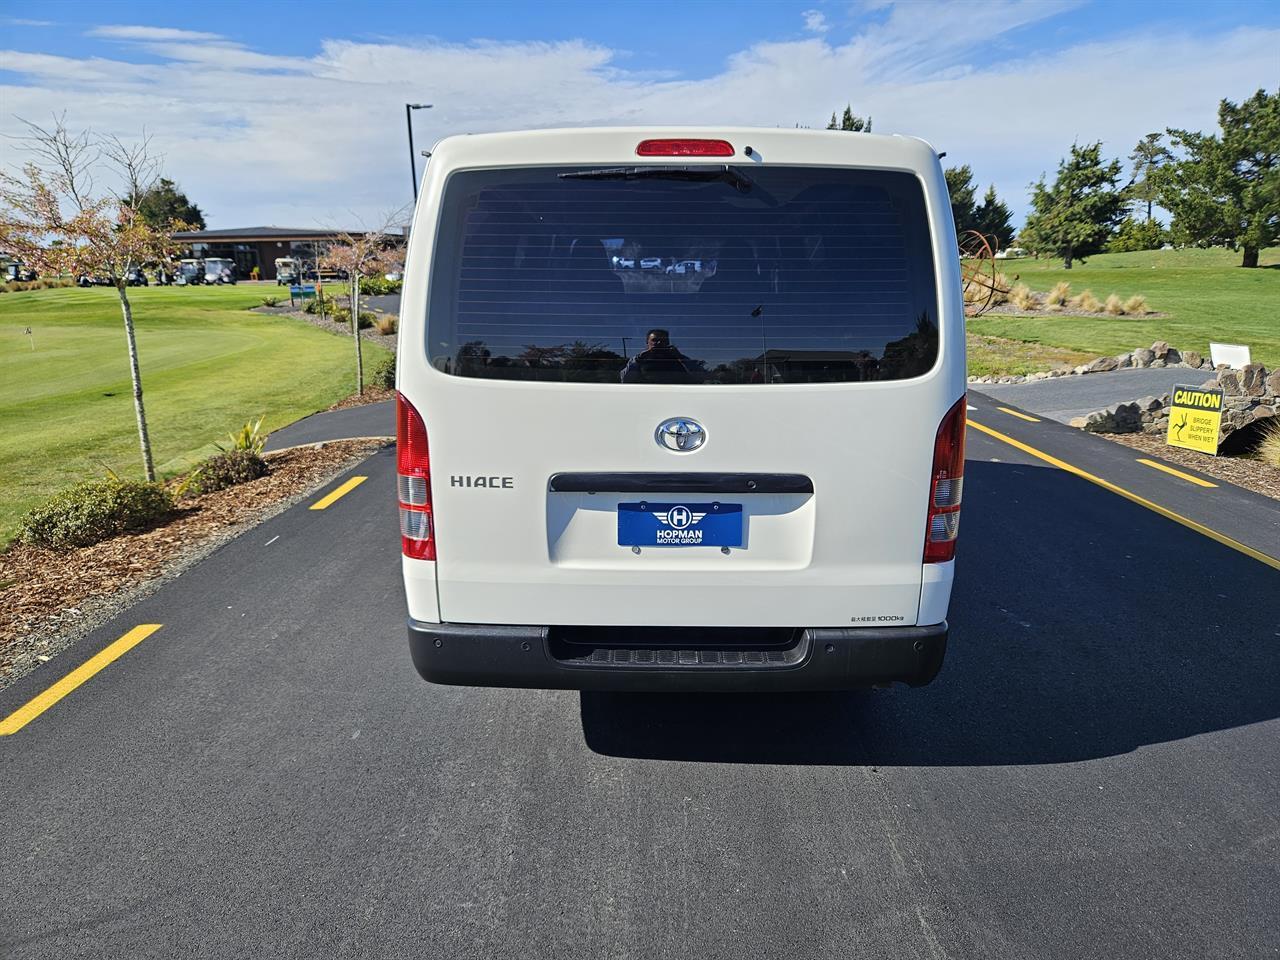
x=52, y=216
x=366, y=254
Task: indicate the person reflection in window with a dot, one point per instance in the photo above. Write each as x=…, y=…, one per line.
x=660, y=362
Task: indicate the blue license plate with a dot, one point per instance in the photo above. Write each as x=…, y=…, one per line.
x=648, y=524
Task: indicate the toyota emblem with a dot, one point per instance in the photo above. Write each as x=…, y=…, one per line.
x=680, y=435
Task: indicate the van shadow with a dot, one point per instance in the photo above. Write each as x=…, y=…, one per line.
x=1083, y=626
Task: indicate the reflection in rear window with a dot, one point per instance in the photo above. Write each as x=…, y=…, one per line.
x=742, y=274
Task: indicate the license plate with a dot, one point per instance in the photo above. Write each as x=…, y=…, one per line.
x=648, y=524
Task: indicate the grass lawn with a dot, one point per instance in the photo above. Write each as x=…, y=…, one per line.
x=208, y=365
x=1206, y=294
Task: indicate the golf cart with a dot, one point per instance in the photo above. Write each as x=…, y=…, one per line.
x=288, y=271
x=219, y=270
x=190, y=273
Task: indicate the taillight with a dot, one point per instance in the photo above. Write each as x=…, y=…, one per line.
x=946, y=486
x=686, y=147
x=413, y=483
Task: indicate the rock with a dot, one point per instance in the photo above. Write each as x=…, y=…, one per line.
x=1262, y=411
x=1103, y=364
x=1160, y=425
x=1273, y=383
x=1124, y=360
x=1229, y=382
x=1039, y=375
x=1192, y=359
x=1100, y=421
x=1142, y=357
x=973, y=380
x=1172, y=357
x=1158, y=363
x=1128, y=417
x=1151, y=404
x=1081, y=370
x=1160, y=348
x=1253, y=379
x=1077, y=422
x=1210, y=384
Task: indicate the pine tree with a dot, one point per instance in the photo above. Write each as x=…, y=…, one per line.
x=1148, y=156
x=1227, y=189
x=960, y=187
x=1074, y=217
x=849, y=122
x=992, y=218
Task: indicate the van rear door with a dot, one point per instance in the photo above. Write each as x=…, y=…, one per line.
x=581, y=316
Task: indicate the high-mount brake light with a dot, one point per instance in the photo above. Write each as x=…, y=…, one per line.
x=946, y=486
x=413, y=483
x=685, y=148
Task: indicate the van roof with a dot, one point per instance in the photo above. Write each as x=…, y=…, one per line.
x=576, y=145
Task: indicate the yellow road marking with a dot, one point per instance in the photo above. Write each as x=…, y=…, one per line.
x=1190, y=524
x=1176, y=473
x=1021, y=416
x=329, y=499
x=43, y=701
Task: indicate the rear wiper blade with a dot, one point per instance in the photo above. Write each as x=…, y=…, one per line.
x=703, y=172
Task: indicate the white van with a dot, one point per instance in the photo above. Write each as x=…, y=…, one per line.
x=745, y=478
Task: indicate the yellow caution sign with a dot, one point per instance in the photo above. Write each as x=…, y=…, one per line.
x=1195, y=418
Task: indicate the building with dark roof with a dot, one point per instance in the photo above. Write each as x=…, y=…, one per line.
x=259, y=247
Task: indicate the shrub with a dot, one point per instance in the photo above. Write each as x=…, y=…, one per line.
x=249, y=437
x=95, y=510
x=1268, y=449
x=1022, y=297
x=1087, y=301
x=384, y=374
x=1136, y=304
x=1137, y=235
x=385, y=325
x=1113, y=306
x=313, y=305
x=379, y=286
x=227, y=469
x=1058, y=295
x=271, y=301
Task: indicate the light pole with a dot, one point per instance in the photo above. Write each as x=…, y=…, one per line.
x=413, y=161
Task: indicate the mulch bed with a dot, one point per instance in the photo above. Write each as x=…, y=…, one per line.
x=368, y=334
x=48, y=599
x=370, y=395
x=1242, y=471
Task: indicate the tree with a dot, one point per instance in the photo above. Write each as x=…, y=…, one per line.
x=960, y=187
x=53, y=216
x=1136, y=234
x=163, y=204
x=1148, y=157
x=1227, y=189
x=364, y=255
x=992, y=218
x=849, y=122
x=1074, y=217
x=989, y=218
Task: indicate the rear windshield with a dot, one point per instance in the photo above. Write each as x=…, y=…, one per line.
x=683, y=274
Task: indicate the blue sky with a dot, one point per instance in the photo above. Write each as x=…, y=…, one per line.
x=292, y=113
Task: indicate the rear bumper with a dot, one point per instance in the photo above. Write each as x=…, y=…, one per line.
x=821, y=658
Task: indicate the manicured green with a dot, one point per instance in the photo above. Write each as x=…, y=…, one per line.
x=208, y=365
x=1206, y=295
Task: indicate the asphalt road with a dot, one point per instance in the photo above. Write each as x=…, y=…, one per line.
x=1096, y=772
x=1062, y=398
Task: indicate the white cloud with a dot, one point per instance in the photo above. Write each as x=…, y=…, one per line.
x=815, y=21
x=257, y=138
x=21, y=22
x=132, y=32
